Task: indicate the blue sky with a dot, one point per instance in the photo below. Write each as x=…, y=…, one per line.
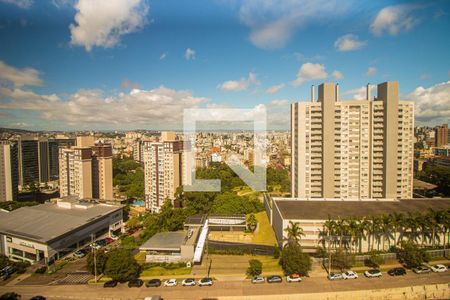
x=137, y=64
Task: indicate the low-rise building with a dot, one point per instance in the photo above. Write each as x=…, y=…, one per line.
x=47, y=232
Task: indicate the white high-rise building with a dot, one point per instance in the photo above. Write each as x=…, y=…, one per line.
x=9, y=179
x=355, y=149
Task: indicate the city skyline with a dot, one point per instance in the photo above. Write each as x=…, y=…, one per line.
x=139, y=63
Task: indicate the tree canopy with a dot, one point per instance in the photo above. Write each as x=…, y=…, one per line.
x=294, y=261
x=121, y=265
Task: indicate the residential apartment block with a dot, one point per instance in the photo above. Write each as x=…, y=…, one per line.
x=441, y=135
x=162, y=169
x=86, y=171
x=9, y=177
x=355, y=149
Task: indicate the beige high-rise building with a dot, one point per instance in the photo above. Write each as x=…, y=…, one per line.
x=162, y=169
x=9, y=177
x=355, y=149
x=86, y=172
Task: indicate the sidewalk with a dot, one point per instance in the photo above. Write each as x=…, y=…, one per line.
x=18, y=279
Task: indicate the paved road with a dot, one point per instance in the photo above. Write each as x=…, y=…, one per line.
x=232, y=288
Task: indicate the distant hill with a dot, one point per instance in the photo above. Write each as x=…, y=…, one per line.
x=14, y=130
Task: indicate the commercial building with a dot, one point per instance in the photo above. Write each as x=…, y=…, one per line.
x=86, y=171
x=28, y=161
x=355, y=149
x=162, y=170
x=441, y=135
x=9, y=177
x=171, y=247
x=311, y=216
x=47, y=232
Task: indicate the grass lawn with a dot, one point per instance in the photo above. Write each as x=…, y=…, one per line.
x=237, y=265
x=140, y=257
x=264, y=235
x=159, y=271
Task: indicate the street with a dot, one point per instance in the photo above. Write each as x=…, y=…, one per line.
x=229, y=288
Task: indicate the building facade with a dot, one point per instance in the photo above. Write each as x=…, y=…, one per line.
x=28, y=162
x=441, y=135
x=9, y=177
x=162, y=170
x=356, y=149
x=86, y=171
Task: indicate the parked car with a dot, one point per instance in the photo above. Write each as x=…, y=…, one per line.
x=7, y=271
x=38, y=298
x=153, y=283
x=108, y=240
x=274, y=279
x=205, y=282
x=372, y=273
x=110, y=284
x=170, y=282
x=397, y=272
x=135, y=283
x=421, y=269
x=350, y=275
x=79, y=254
x=102, y=242
x=188, y=282
x=155, y=297
x=438, y=268
x=335, y=276
x=95, y=246
x=114, y=237
x=293, y=278
x=258, y=279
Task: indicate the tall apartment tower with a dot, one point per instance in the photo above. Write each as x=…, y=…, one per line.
x=162, y=169
x=441, y=135
x=28, y=159
x=86, y=171
x=9, y=177
x=355, y=149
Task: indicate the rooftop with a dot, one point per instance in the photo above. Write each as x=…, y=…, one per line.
x=321, y=210
x=46, y=222
x=165, y=241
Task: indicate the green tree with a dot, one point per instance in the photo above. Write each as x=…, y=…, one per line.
x=294, y=232
x=375, y=260
x=101, y=257
x=254, y=268
x=133, y=223
x=342, y=260
x=294, y=261
x=252, y=222
x=121, y=265
x=411, y=255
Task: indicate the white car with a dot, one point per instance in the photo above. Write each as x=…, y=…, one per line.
x=293, y=278
x=95, y=246
x=258, y=279
x=205, y=282
x=372, y=273
x=439, y=268
x=79, y=254
x=170, y=282
x=350, y=275
x=188, y=282
x=335, y=276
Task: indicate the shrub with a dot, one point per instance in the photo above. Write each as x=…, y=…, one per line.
x=21, y=266
x=41, y=270
x=255, y=267
x=293, y=260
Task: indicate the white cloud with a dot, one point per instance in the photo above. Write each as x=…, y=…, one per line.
x=432, y=105
x=279, y=102
x=310, y=71
x=189, y=54
x=349, y=42
x=371, y=71
x=272, y=23
x=274, y=89
x=238, y=85
x=19, y=77
x=163, y=56
x=359, y=93
x=25, y=4
x=337, y=75
x=394, y=19
x=102, y=23
x=145, y=108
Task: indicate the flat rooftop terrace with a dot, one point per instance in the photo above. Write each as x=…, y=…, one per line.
x=292, y=209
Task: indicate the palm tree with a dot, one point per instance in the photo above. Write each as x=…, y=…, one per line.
x=294, y=231
x=353, y=231
x=386, y=228
x=398, y=220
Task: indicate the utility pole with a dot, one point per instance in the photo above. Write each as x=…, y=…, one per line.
x=329, y=255
x=94, y=251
